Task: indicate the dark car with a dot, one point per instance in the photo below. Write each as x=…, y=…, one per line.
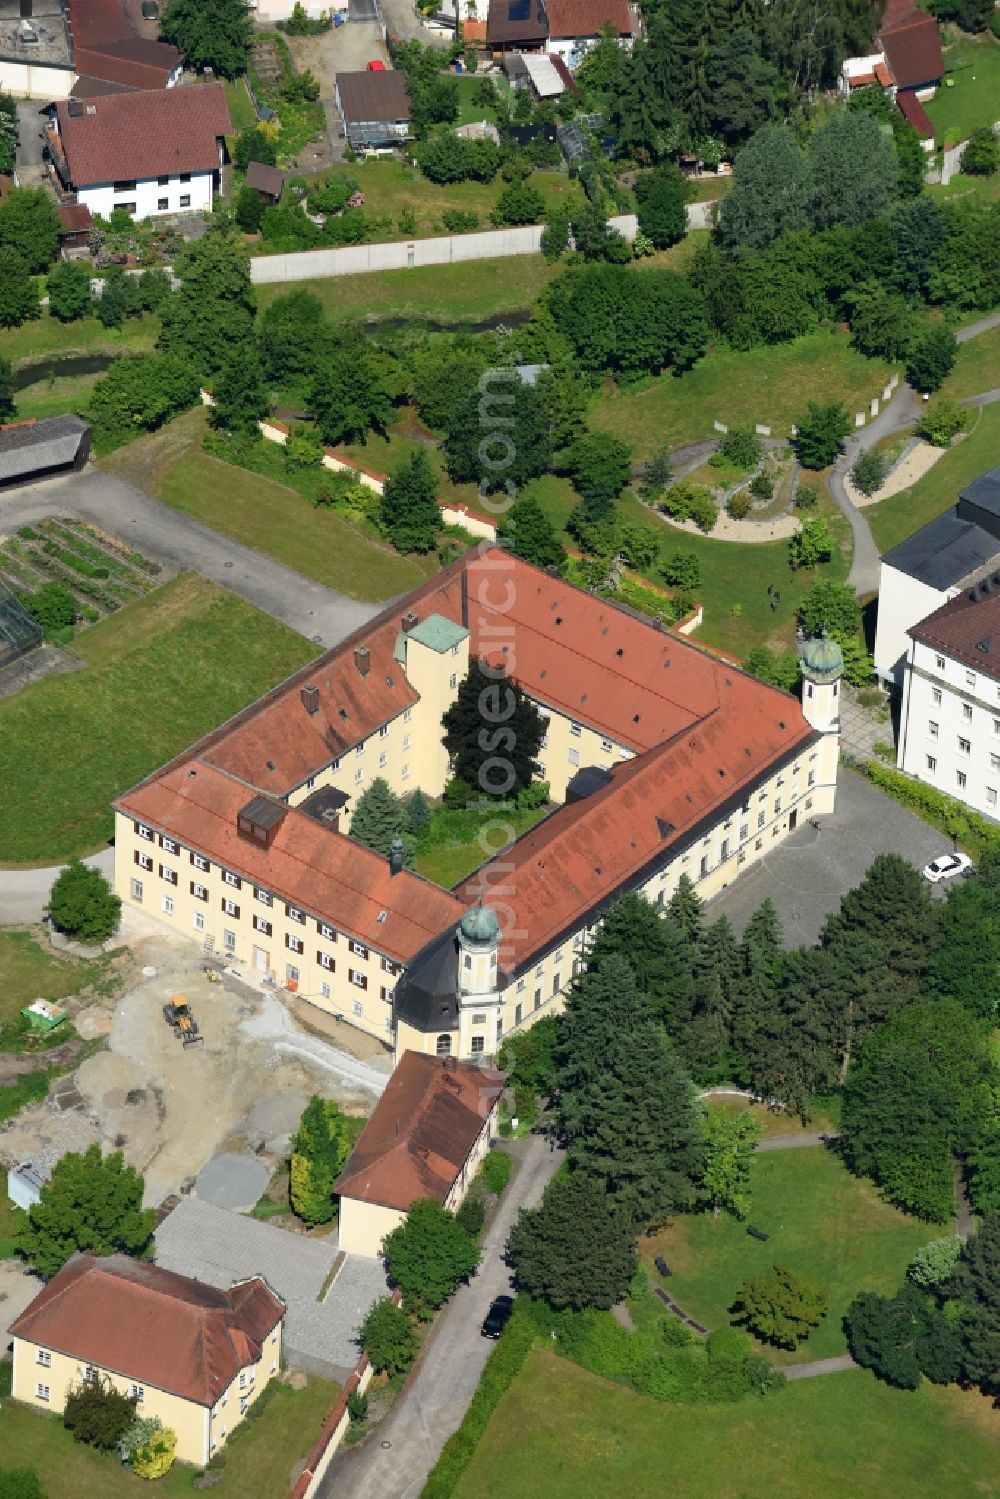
x=498, y=1316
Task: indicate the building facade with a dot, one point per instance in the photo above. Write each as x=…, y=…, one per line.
x=661, y=761
x=191, y=1355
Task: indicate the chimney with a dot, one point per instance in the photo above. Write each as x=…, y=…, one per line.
x=75, y=108
x=409, y=620
x=362, y=659
x=310, y=698
x=396, y=854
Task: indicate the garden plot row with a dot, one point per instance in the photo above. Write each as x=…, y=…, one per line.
x=100, y=572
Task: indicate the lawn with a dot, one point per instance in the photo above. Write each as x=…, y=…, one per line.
x=241, y=110
x=470, y=109
x=47, y=335
x=825, y=1115
x=894, y=519
x=471, y=289
x=52, y=395
x=29, y=972
x=977, y=368
x=771, y=385
x=158, y=674
x=844, y=1434
x=973, y=65
x=822, y=1222
x=448, y=863
x=260, y=1457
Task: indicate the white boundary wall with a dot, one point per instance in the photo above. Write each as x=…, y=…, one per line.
x=446, y=249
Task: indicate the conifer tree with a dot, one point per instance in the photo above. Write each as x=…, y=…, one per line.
x=576, y=1249
x=379, y=817
x=492, y=733
x=685, y=906
x=319, y=1149
x=893, y=905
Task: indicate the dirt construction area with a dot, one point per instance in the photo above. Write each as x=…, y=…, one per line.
x=171, y=1109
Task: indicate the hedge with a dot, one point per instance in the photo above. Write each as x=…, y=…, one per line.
x=504, y=1363
x=496, y=1169
x=952, y=817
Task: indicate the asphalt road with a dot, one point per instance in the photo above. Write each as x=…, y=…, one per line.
x=173, y=539
x=446, y=1379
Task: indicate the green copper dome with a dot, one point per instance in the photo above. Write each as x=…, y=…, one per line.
x=823, y=659
x=479, y=927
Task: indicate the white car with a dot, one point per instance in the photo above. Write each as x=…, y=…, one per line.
x=946, y=866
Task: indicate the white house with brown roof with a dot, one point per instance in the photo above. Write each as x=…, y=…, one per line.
x=575, y=26
x=150, y=152
x=192, y=1355
x=661, y=760
x=427, y=1138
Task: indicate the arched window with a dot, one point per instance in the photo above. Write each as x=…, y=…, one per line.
x=443, y=1047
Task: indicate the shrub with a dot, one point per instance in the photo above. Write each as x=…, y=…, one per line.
x=459, y=220
x=981, y=157
x=156, y=1456
x=388, y=1338
x=741, y=447
x=681, y=569
x=472, y=1215
x=941, y=422
x=357, y=1407
x=806, y=497
x=762, y=486
x=97, y=1414
x=496, y=1170
x=687, y=501
x=739, y=504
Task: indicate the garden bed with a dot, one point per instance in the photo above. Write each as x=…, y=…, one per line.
x=99, y=570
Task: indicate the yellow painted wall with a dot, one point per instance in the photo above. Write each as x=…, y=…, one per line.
x=363, y=1225
x=199, y=1431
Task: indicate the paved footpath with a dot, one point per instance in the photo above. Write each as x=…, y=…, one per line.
x=819, y=1366
x=446, y=1379
x=797, y=1142
x=172, y=538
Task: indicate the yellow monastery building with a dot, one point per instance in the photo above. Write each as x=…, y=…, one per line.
x=662, y=759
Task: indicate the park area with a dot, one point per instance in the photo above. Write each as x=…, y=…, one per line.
x=894, y=519
x=259, y=1459
x=155, y=676
x=826, y=1438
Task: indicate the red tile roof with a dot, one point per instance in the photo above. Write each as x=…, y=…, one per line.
x=586, y=17
x=106, y=47
x=152, y=1326
x=910, y=40
x=701, y=728
x=584, y=852
x=915, y=114
x=424, y=1126
x=308, y=864
x=75, y=218
x=142, y=135
x=968, y=628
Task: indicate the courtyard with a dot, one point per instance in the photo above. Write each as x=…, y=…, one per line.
x=808, y=872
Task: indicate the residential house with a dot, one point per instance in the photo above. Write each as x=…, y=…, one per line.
x=150, y=153
x=576, y=25
x=192, y=1355
x=516, y=26
x=375, y=107
x=934, y=565
x=241, y=844
x=909, y=65
x=426, y=1138
x=31, y=450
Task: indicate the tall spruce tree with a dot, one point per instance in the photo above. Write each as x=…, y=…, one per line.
x=658, y=953
x=685, y=907
x=966, y=962
x=976, y=1283
x=493, y=733
x=320, y=1147
x=892, y=904
x=627, y=1109
x=577, y=1249
x=379, y=817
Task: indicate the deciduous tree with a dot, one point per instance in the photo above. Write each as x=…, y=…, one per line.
x=212, y=316
x=91, y=1204
x=781, y=1306
x=931, y=358
x=98, y=1414
x=211, y=33
x=30, y=226
x=820, y=433
x=499, y=434
x=350, y=396
x=527, y=532
x=730, y=1142
x=83, y=904
x=18, y=293
x=239, y=388
x=68, y=287
x=388, y=1338
x=429, y=1255
x=771, y=191
x=577, y=1249
x=853, y=166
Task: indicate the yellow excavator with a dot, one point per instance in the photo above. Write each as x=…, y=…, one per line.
x=177, y=1014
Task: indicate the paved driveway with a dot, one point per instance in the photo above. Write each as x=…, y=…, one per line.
x=172, y=538
x=408, y=1443
x=219, y=1247
x=809, y=872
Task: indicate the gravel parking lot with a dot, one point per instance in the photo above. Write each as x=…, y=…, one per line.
x=806, y=875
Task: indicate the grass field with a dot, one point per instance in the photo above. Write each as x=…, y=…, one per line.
x=825, y=1115
x=158, y=674
x=977, y=368
x=241, y=110
x=260, y=1457
x=845, y=1434
x=894, y=519
x=447, y=863
x=52, y=396
x=47, y=335
x=771, y=385
x=973, y=64
x=822, y=1222
x=28, y=972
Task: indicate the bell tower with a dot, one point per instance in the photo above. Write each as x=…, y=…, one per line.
x=479, y=999
x=822, y=669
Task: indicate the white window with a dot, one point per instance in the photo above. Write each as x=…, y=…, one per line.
x=478, y=1045
x=606, y=746
x=230, y=907
x=964, y=746
x=263, y=897
x=932, y=728
x=244, y=1404
x=453, y=650
x=383, y=732
x=811, y=779
x=960, y=779
x=229, y=940
x=137, y=889
x=137, y=1393
x=261, y=924
x=291, y=974
x=576, y=730
x=761, y=819
x=168, y=905
x=745, y=828
x=996, y=726
x=931, y=763
x=407, y=714
x=991, y=795
x=359, y=776
x=358, y=1007
x=144, y=832
x=41, y=1392
x=324, y=960
x=404, y=774
x=168, y=845
x=199, y=921
x=406, y=741
x=358, y=949
x=198, y=891
x=324, y=990
x=326, y=931
x=383, y=760
x=970, y=679
x=294, y=944
x=936, y=696
x=44, y=1358
x=144, y=861
x=200, y=863
x=231, y=879
x=453, y=680
x=967, y=714
x=294, y=914
x=357, y=979
x=939, y=662
x=168, y=874
x=359, y=749
x=994, y=762
x=574, y=757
